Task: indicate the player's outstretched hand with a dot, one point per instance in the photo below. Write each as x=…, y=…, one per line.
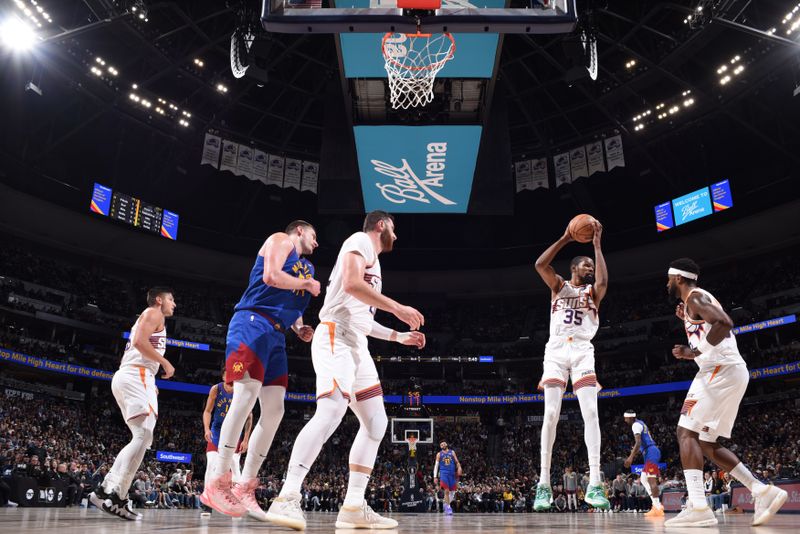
x=412, y=339
x=598, y=233
x=305, y=333
x=312, y=286
x=680, y=311
x=169, y=370
x=683, y=352
x=410, y=316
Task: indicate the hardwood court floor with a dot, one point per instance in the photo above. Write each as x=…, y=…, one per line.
x=92, y=521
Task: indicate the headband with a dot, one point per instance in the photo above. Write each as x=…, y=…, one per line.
x=685, y=274
x=630, y=414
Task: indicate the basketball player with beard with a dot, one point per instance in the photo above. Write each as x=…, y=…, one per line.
x=346, y=375
x=569, y=353
x=712, y=403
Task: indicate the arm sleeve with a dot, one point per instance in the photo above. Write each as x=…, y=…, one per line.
x=436, y=469
x=381, y=332
x=637, y=428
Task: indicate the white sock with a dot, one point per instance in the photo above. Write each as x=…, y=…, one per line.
x=552, y=409
x=245, y=393
x=587, y=398
x=743, y=475
x=270, y=400
x=211, y=459
x=236, y=467
x=356, y=487
x=310, y=440
x=656, y=501
x=694, y=485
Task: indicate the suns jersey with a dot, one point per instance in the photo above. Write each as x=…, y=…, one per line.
x=447, y=461
x=283, y=305
x=726, y=352
x=221, y=405
x=132, y=357
x=573, y=312
x=341, y=307
x=639, y=427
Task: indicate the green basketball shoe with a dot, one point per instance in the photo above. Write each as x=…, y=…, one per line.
x=544, y=496
x=596, y=497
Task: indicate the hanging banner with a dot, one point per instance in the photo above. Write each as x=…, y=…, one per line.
x=211, y=148
x=310, y=175
x=577, y=161
x=594, y=154
x=522, y=170
x=275, y=171
x=244, y=165
x=291, y=177
x=230, y=152
x=561, y=163
x=539, y=173
x=614, y=153
x=260, y=166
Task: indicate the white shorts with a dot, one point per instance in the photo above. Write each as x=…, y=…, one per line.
x=342, y=360
x=566, y=357
x=712, y=404
x=135, y=389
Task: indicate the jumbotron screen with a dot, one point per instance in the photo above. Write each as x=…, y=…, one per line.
x=134, y=211
x=694, y=205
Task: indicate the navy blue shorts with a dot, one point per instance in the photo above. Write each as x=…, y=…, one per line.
x=255, y=347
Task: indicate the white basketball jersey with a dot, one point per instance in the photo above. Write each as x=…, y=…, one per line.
x=573, y=312
x=132, y=357
x=339, y=306
x=726, y=352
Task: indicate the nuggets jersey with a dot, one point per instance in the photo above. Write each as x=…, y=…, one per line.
x=573, y=312
x=339, y=306
x=724, y=353
x=447, y=462
x=283, y=305
x=132, y=357
x=221, y=405
x=639, y=427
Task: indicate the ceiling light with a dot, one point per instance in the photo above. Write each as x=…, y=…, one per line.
x=221, y=88
x=198, y=62
x=16, y=34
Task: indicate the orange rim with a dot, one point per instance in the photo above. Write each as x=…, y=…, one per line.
x=432, y=66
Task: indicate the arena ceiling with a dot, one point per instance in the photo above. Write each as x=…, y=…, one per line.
x=70, y=120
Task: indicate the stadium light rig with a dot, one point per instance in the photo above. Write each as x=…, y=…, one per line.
x=663, y=110
x=16, y=34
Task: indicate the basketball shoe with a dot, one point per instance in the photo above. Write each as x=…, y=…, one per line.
x=287, y=512
x=246, y=493
x=122, y=508
x=363, y=517
x=596, y=497
x=655, y=511
x=448, y=510
x=218, y=495
x=544, y=497
x=768, y=503
x=693, y=517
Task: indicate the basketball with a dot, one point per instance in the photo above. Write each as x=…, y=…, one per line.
x=580, y=228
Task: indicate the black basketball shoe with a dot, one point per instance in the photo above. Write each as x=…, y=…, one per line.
x=120, y=507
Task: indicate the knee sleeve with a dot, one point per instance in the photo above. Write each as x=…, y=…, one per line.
x=376, y=425
x=330, y=412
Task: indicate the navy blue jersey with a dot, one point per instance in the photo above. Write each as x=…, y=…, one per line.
x=221, y=405
x=282, y=305
x=447, y=461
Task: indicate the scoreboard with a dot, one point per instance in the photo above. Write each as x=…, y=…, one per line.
x=692, y=206
x=134, y=211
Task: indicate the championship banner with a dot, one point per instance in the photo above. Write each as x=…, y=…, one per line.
x=594, y=155
x=244, y=165
x=522, y=171
x=275, y=171
x=577, y=162
x=211, y=149
x=561, y=163
x=417, y=169
x=614, y=153
x=291, y=177
x=310, y=176
x=539, y=173
x=230, y=152
x=260, y=166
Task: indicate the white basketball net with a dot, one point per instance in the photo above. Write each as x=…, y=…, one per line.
x=412, y=63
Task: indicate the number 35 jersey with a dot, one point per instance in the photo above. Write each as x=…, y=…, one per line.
x=573, y=313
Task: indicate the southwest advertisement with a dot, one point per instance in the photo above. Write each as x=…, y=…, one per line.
x=417, y=169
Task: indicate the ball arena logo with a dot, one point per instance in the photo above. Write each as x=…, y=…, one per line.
x=407, y=186
x=690, y=209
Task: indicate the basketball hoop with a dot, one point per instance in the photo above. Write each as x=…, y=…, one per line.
x=412, y=62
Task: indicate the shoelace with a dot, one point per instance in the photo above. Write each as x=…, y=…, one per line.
x=227, y=495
